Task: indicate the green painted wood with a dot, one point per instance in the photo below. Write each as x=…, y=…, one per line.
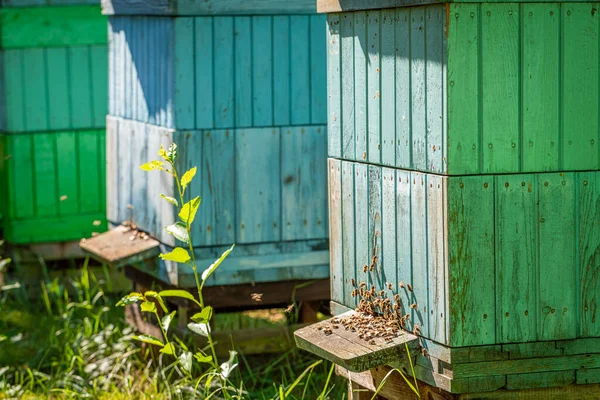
x=491, y=87
x=533, y=350
x=540, y=380
x=588, y=376
x=52, y=26
x=53, y=178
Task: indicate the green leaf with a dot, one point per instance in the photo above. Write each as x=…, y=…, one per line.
x=228, y=366
x=148, y=306
x=179, y=230
x=163, y=153
x=208, y=271
x=185, y=359
x=152, y=294
x=166, y=321
x=168, y=349
x=178, y=254
x=202, y=329
x=187, y=177
x=170, y=200
x=4, y=263
x=149, y=339
x=183, y=346
x=152, y=165
x=188, y=211
x=131, y=298
x=203, y=358
x=203, y=316
x=178, y=293
x=172, y=152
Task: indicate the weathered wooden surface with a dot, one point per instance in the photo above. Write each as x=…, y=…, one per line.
x=52, y=26
x=38, y=3
x=345, y=348
x=475, y=71
x=207, y=7
x=60, y=196
x=116, y=248
x=469, y=248
x=246, y=71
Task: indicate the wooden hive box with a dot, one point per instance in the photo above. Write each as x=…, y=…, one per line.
x=463, y=145
x=241, y=88
x=53, y=102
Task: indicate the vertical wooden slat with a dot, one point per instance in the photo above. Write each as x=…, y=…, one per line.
x=66, y=169
x=124, y=143
x=243, y=72
x=471, y=268
x=404, y=238
x=373, y=51
x=419, y=242
x=318, y=73
x=541, y=87
x=360, y=84
x=375, y=234
x=557, y=316
x=334, y=107
x=140, y=154
x=436, y=257
x=184, y=106
x=262, y=70
x=258, y=183
x=281, y=73
x=203, y=31
x=22, y=175
x=89, y=175
x=300, y=69
x=500, y=46
x=339, y=286
x=99, y=61
x=361, y=222
x=224, y=72
x=463, y=89
x=349, y=232
x=434, y=39
x=388, y=229
x=80, y=82
x=388, y=88
x=403, y=94
x=580, y=86
x=58, y=89
x=516, y=253
x=346, y=70
x=45, y=191
x=35, y=90
x=418, y=88
x=588, y=189
x=112, y=168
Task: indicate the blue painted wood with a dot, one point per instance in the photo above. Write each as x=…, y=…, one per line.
x=218, y=72
x=373, y=87
x=334, y=107
x=205, y=7
x=420, y=276
x=375, y=235
x=34, y=3
x=388, y=230
x=360, y=85
x=388, y=88
x=339, y=287
x=349, y=270
x=403, y=94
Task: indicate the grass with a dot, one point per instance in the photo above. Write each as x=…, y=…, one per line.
x=68, y=340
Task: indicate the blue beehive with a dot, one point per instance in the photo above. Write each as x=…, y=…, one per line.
x=241, y=88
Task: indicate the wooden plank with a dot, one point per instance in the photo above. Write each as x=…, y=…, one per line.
x=404, y=237
x=580, y=96
x=138, y=7
x=540, y=380
x=334, y=6
x=419, y=295
x=372, y=379
x=52, y=26
x=373, y=54
x=204, y=73
x=374, y=229
x=243, y=71
x=338, y=281
x=35, y=91
x=403, y=90
x=557, y=314
x=90, y=165
x=334, y=89
x=588, y=209
x=303, y=183
x=35, y=230
x=183, y=30
x=361, y=223
x=300, y=70
x=59, y=88
x=500, y=78
x=360, y=86
x=389, y=271
x=14, y=73
x=471, y=283
x=418, y=89
x=224, y=73
x=532, y=350
x=516, y=258
x=258, y=184
x=584, y=392
x=282, y=78
x=262, y=70
x=388, y=87
x=348, y=234
x=540, y=53
x=67, y=169
x=434, y=66
x=346, y=75
x=344, y=348
x=463, y=145
x=528, y=365
x=80, y=81
x=45, y=176
x=588, y=376
x=99, y=83
x=21, y=170
x=116, y=249
x=318, y=74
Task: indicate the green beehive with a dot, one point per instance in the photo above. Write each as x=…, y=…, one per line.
x=464, y=158
x=53, y=102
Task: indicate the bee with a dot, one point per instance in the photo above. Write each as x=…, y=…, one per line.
x=410, y=289
x=389, y=286
x=381, y=293
x=257, y=297
x=372, y=342
x=401, y=284
x=354, y=292
x=365, y=268
x=289, y=309
x=374, y=260
x=372, y=267
x=353, y=282
x=424, y=352
x=396, y=307
x=64, y=197
x=397, y=298
x=413, y=306
x=406, y=317
x=362, y=284
x=373, y=289
x=416, y=329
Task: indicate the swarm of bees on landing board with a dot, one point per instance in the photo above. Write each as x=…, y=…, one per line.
x=379, y=314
